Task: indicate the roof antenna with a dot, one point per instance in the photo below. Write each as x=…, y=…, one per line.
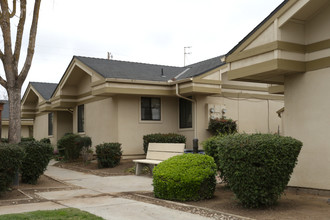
x=184, y=54
x=110, y=56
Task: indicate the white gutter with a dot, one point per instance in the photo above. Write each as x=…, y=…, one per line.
x=195, y=104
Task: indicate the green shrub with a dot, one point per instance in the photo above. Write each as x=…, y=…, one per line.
x=11, y=157
x=222, y=126
x=36, y=159
x=210, y=148
x=162, y=138
x=257, y=167
x=27, y=139
x=108, y=154
x=45, y=140
x=187, y=177
x=70, y=145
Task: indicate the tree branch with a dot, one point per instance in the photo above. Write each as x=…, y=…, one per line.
x=20, y=31
x=5, y=27
x=3, y=82
x=32, y=41
x=12, y=14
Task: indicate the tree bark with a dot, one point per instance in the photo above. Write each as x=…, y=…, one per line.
x=14, y=131
x=10, y=60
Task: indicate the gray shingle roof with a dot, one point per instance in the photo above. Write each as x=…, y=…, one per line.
x=45, y=89
x=150, y=72
x=130, y=70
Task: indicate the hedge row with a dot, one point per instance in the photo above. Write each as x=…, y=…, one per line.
x=30, y=158
x=162, y=138
x=11, y=157
x=256, y=167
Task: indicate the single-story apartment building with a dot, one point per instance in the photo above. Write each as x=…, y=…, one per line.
x=291, y=50
x=118, y=101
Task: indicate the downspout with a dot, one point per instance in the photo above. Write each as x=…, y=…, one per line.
x=195, y=141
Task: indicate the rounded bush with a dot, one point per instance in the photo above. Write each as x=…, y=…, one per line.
x=187, y=177
x=108, y=154
x=36, y=159
x=11, y=157
x=257, y=167
x=70, y=145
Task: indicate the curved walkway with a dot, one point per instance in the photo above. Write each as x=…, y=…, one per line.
x=97, y=196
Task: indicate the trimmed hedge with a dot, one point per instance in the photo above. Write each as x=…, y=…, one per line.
x=11, y=157
x=70, y=145
x=257, y=167
x=222, y=126
x=162, y=138
x=187, y=177
x=36, y=159
x=108, y=154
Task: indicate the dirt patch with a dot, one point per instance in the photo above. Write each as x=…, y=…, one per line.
x=126, y=167
x=290, y=206
x=26, y=193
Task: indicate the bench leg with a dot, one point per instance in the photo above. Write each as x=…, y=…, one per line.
x=138, y=168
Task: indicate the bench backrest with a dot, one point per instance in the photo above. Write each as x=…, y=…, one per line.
x=163, y=151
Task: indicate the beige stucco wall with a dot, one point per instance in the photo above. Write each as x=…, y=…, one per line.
x=62, y=124
x=24, y=131
x=100, y=121
x=131, y=129
x=40, y=126
x=307, y=119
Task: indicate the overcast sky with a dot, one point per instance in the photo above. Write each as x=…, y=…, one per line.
x=148, y=31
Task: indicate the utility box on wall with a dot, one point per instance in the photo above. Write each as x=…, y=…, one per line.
x=215, y=111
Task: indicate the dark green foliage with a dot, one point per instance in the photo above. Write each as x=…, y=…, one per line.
x=11, y=157
x=70, y=145
x=162, y=138
x=257, y=167
x=27, y=139
x=222, y=126
x=36, y=159
x=187, y=177
x=211, y=148
x=108, y=154
x=45, y=140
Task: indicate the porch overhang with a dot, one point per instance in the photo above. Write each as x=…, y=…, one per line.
x=271, y=72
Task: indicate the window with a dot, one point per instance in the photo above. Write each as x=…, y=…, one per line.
x=81, y=118
x=50, y=123
x=150, y=109
x=185, y=109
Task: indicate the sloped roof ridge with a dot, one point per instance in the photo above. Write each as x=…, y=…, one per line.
x=123, y=61
x=257, y=27
x=199, y=62
x=42, y=82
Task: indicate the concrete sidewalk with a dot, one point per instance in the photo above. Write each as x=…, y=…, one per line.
x=94, y=197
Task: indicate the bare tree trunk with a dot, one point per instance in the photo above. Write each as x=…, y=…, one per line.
x=10, y=60
x=14, y=131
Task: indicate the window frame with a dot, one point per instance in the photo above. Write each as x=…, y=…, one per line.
x=189, y=126
x=142, y=119
x=81, y=118
x=51, y=124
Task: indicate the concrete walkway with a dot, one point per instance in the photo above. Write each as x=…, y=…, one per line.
x=94, y=197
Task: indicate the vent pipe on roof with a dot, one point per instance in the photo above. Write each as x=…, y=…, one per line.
x=162, y=73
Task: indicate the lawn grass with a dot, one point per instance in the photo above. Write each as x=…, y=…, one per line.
x=69, y=213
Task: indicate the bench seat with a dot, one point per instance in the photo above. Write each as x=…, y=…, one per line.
x=158, y=152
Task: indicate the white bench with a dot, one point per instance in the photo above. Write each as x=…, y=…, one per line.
x=158, y=152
